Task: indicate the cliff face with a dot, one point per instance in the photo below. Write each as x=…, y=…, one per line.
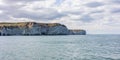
x=77, y=32
x=32, y=28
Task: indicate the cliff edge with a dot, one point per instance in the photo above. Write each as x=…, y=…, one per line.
x=33, y=28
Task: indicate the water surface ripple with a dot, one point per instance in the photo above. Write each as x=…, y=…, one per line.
x=70, y=47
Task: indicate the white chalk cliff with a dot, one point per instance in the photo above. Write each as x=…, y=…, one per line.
x=33, y=28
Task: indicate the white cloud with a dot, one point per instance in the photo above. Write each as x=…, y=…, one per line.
x=95, y=16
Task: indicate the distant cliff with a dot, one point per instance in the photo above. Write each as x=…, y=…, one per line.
x=77, y=32
x=33, y=28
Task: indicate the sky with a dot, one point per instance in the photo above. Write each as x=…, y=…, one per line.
x=94, y=16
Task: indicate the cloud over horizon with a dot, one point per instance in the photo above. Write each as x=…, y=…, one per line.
x=95, y=16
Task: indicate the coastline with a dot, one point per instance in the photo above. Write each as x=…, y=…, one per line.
x=33, y=28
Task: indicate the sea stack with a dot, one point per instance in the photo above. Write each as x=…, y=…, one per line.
x=33, y=28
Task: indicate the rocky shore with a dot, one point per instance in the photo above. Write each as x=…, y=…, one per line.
x=33, y=28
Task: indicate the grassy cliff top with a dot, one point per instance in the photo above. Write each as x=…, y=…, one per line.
x=24, y=24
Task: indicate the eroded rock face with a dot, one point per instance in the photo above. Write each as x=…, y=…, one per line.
x=32, y=28
x=77, y=32
x=58, y=30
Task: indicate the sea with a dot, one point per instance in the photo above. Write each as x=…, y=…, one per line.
x=60, y=47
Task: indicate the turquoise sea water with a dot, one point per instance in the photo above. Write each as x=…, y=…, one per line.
x=66, y=47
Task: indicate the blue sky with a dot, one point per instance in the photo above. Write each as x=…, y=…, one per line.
x=95, y=16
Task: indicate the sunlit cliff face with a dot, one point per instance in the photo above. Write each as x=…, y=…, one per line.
x=95, y=16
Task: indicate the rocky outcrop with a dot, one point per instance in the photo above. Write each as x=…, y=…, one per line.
x=77, y=32
x=33, y=28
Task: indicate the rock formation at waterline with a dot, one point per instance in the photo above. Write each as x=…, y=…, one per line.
x=77, y=32
x=33, y=28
